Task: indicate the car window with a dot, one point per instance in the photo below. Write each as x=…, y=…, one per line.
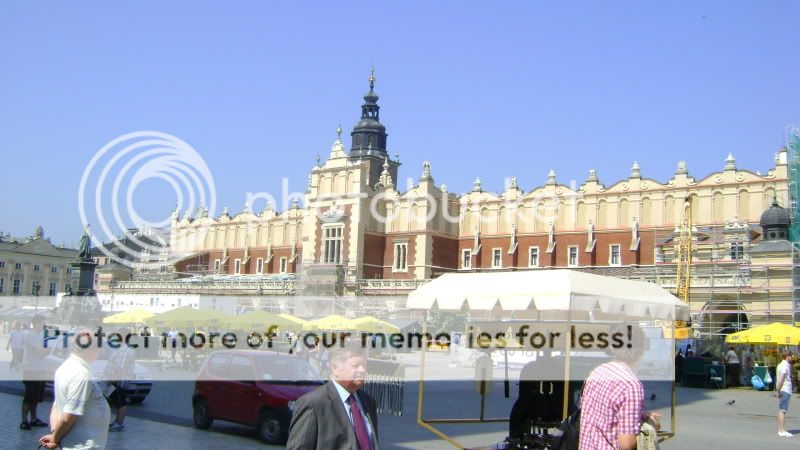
x=239, y=368
x=216, y=365
x=286, y=369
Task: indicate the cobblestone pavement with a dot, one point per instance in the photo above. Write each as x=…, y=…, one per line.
x=139, y=434
x=704, y=421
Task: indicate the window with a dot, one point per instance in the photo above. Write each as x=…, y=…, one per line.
x=2, y=282
x=216, y=364
x=36, y=267
x=217, y=264
x=737, y=251
x=533, y=257
x=400, y=257
x=466, y=259
x=614, y=256
x=52, y=288
x=332, y=245
x=572, y=256
x=284, y=264
x=497, y=258
x=69, y=270
x=54, y=269
x=15, y=289
x=18, y=266
x=260, y=265
x=237, y=266
x=240, y=369
x=2, y=264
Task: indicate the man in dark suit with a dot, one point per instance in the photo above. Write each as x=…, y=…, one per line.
x=337, y=415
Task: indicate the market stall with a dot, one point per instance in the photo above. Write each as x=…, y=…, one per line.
x=560, y=297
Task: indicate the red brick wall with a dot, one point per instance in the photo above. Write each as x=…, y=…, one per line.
x=374, y=248
x=388, y=256
x=445, y=252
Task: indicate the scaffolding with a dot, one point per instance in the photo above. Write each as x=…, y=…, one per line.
x=729, y=291
x=793, y=147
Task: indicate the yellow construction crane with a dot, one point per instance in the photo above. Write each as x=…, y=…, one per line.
x=684, y=255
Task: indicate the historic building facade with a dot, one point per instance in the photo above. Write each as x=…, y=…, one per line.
x=33, y=270
x=355, y=218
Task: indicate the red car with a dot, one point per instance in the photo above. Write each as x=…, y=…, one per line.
x=255, y=388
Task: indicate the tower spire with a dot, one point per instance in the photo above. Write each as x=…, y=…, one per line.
x=369, y=134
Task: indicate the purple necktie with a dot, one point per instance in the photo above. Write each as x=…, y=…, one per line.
x=362, y=435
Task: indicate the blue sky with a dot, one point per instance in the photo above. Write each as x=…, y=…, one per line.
x=488, y=89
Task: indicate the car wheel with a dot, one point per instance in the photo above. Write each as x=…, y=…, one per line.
x=200, y=415
x=272, y=428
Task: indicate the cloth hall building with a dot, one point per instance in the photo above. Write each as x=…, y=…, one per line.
x=359, y=233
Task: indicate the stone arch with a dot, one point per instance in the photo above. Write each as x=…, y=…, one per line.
x=723, y=316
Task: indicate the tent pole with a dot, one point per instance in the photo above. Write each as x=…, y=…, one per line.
x=566, y=365
x=422, y=369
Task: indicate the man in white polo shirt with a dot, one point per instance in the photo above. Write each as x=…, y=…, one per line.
x=80, y=413
x=783, y=387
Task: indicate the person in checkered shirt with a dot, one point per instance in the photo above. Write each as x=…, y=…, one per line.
x=612, y=403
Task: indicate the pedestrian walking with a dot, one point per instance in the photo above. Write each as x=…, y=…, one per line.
x=783, y=391
x=118, y=374
x=33, y=375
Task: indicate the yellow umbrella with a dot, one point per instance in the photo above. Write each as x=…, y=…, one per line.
x=135, y=315
x=333, y=322
x=186, y=316
x=298, y=322
x=371, y=324
x=260, y=320
x=774, y=333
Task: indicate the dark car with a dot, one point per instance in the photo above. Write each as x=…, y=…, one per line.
x=136, y=389
x=255, y=388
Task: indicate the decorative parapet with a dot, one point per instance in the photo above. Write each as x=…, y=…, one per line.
x=388, y=286
x=252, y=287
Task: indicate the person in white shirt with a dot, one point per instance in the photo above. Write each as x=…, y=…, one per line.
x=80, y=412
x=783, y=389
x=16, y=343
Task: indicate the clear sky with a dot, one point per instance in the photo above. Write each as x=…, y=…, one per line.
x=489, y=89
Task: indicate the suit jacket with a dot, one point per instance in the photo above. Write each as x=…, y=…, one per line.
x=320, y=421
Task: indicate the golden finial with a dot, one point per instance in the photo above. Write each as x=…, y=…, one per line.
x=372, y=77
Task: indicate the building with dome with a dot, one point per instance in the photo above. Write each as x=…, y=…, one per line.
x=356, y=235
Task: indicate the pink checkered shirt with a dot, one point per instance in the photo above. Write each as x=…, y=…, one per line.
x=612, y=404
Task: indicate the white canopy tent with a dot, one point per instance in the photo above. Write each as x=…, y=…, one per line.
x=559, y=295
x=555, y=291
